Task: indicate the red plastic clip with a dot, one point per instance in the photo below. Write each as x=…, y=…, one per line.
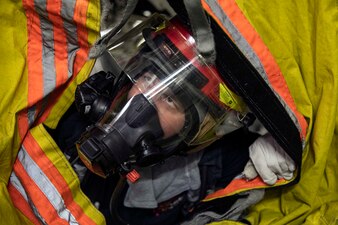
x=133, y=176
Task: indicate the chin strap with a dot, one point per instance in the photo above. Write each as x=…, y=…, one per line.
x=201, y=30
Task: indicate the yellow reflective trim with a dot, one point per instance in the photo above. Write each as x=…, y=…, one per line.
x=230, y=99
x=60, y=162
x=93, y=21
x=67, y=97
x=226, y=222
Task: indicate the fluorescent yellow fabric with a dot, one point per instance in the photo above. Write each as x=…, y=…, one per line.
x=302, y=35
x=13, y=94
x=13, y=91
x=53, y=152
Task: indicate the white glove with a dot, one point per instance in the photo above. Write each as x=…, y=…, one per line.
x=268, y=160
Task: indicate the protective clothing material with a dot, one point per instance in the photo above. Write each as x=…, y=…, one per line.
x=300, y=35
x=302, y=38
x=44, y=52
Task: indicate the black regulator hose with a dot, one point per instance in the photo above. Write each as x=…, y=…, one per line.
x=114, y=202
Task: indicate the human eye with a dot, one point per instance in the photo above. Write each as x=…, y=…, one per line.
x=170, y=101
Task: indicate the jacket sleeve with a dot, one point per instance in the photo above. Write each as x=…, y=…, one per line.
x=42, y=51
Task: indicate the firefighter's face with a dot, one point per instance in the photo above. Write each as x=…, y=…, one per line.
x=170, y=112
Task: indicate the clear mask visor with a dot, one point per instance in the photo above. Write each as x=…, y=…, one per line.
x=176, y=81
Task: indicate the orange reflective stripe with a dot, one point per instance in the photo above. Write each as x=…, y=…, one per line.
x=60, y=41
x=34, y=54
x=54, y=97
x=60, y=48
x=50, y=30
x=232, y=10
x=240, y=185
x=45, y=208
x=81, y=55
x=272, y=69
x=82, y=33
x=43, y=162
x=21, y=204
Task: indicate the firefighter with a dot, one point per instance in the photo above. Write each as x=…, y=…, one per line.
x=167, y=102
x=42, y=186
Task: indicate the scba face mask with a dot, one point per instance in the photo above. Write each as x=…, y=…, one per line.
x=167, y=100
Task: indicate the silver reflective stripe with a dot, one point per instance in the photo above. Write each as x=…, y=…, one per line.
x=249, y=53
x=18, y=186
x=67, y=12
x=48, y=64
x=48, y=51
x=237, y=37
x=46, y=186
x=31, y=115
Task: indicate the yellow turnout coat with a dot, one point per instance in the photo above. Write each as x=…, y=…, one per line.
x=44, y=53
